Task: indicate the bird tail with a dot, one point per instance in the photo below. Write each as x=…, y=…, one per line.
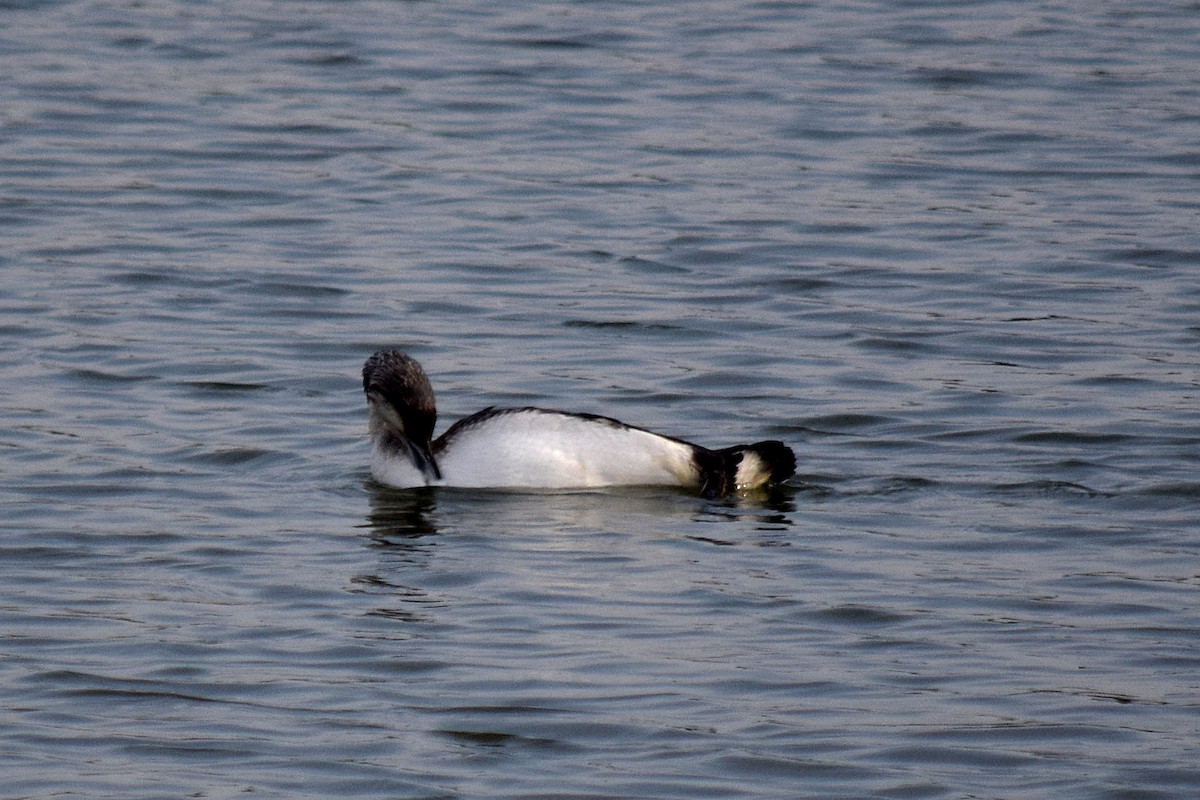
x=745, y=466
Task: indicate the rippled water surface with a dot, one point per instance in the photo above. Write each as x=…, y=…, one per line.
x=947, y=251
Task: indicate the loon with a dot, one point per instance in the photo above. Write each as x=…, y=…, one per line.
x=540, y=448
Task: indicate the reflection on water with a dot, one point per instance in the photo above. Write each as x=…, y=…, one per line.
x=401, y=517
x=407, y=529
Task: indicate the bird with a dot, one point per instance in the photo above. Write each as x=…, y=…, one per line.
x=530, y=447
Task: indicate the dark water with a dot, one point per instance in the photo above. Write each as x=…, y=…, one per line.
x=948, y=251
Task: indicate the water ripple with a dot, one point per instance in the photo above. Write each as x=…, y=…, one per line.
x=946, y=254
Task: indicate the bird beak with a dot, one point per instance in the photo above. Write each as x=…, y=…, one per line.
x=424, y=460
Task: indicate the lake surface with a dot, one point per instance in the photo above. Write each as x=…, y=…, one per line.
x=946, y=251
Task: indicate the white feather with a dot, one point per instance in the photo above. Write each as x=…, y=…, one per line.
x=394, y=468
x=550, y=450
x=752, y=471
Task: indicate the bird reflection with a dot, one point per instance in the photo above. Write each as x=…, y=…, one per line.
x=771, y=511
x=401, y=526
x=400, y=518
x=403, y=520
x=408, y=528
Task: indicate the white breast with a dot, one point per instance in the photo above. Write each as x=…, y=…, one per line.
x=395, y=469
x=545, y=449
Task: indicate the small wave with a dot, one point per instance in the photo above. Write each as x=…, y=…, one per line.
x=1184, y=490
x=1050, y=487
x=1070, y=437
x=101, y=376
x=226, y=386
x=232, y=456
x=839, y=422
x=862, y=615
x=617, y=324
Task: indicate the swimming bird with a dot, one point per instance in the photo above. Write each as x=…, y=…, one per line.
x=540, y=448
